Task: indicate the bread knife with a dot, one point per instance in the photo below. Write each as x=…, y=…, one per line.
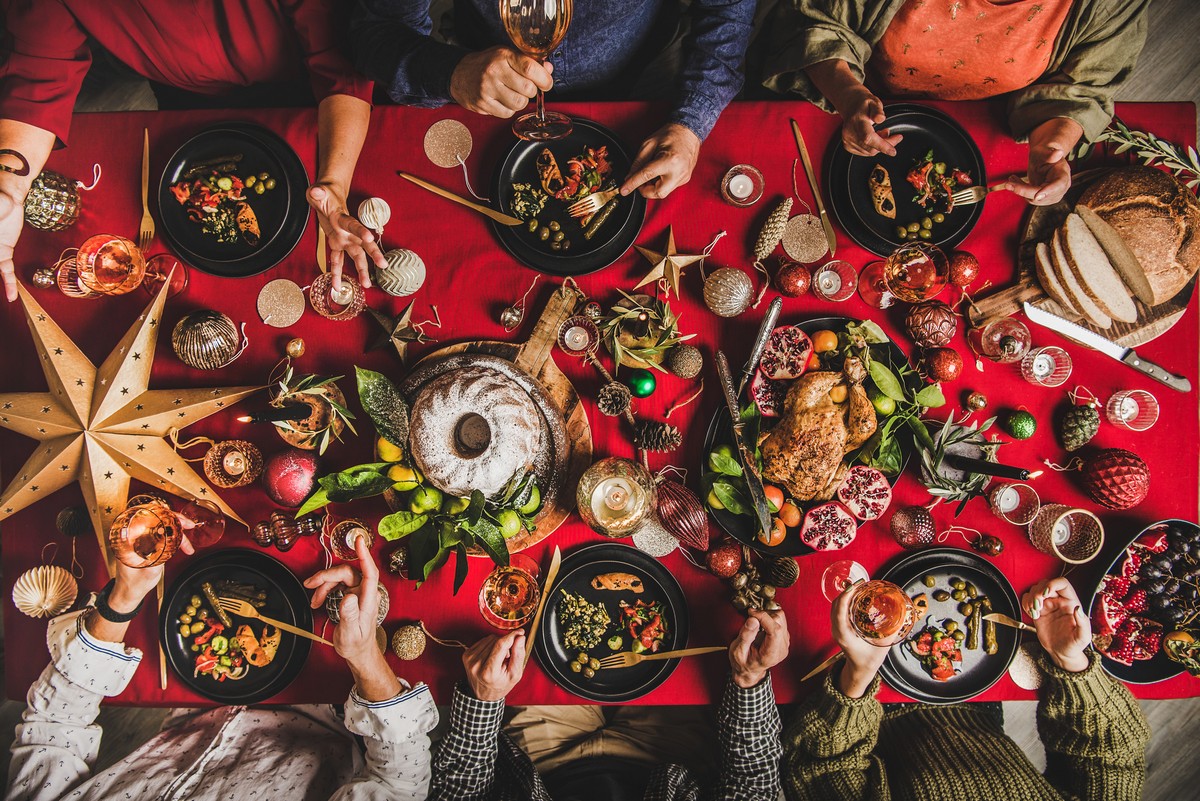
x=760, y=342
x=754, y=482
x=1126, y=356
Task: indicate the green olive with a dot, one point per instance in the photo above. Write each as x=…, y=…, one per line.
x=938, y=217
x=195, y=648
x=929, y=581
x=912, y=237
x=959, y=595
x=270, y=183
x=262, y=176
x=966, y=609
x=925, y=233
x=589, y=672
x=202, y=614
x=558, y=235
x=594, y=663
x=556, y=246
x=543, y=233
x=913, y=227
x=951, y=626
x=926, y=222
x=185, y=630
x=185, y=619
x=195, y=601
x=581, y=658
x=901, y=231
x=958, y=584
x=191, y=610
x=941, y=595
x=576, y=667
x=198, y=627
x=259, y=188
x=250, y=179
x=566, y=243
x=555, y=225
x=958, y=636
x=972, y=592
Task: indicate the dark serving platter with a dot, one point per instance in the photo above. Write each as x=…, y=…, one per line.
x=287, y=601
x=282, y=212
x=1160, y=667
x=575, y=575
x=744, y=528
x=519, y=165
x=924, y=129
x=979, y=670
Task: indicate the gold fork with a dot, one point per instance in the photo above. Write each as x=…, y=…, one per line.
x=244, y=609
x=591, y=204
x=629, y=658
x=970, y=195
x=146, y=229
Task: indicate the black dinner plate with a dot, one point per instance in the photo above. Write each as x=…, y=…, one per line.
x=282, y=212
x=924, y=129
x=585, y=256
x=287, y=601
x=575, y=576
x=1160, y=667
x=744, y=528
x=979, y=670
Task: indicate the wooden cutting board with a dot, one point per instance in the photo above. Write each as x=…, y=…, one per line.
x=535, y=358
x=1038, y=226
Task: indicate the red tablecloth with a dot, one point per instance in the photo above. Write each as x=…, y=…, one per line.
x=471, y=279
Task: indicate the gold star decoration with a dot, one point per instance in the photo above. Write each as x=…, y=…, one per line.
x=397, y=331
x=103, y=426
x=667, y=265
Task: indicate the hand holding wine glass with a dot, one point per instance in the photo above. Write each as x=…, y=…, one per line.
x=499, y=81
x=864, y=657
x=536, y=27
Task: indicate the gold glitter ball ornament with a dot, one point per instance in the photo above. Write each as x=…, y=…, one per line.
x=45, y=591
x=52, y=203
x=408, y=643
x=804, y=239
x=295, y=348
x=728, y=292
x=374, y=212
x=446, y=142
x=404, y=275
x=280, y=303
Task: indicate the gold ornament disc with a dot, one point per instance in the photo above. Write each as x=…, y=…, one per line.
x=281, y=303
x=446, y=142
x=804, y=239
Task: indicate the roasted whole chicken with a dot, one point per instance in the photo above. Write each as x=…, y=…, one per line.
x=805, y=452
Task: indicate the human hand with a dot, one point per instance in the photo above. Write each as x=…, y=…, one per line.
x=759, y=646
x=664, y=163
x=354, y=635
x=498, y=81
x=345, y=234
x=1062, y=627
x=12, y=219
x=862, y=111
x=1049, y=175
x=132, y=584
x=863, y=657
x=494, y=665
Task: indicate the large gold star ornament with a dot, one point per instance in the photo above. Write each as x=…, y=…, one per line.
x=668, y=265
x=104, y=426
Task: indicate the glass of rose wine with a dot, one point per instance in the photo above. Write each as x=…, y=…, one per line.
x=537, y=27
x=840, y=576
x=881, y=612
x=146, y=534
x=509, y=595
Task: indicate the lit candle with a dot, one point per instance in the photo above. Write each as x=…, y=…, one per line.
x=741, y=186
x=342, y=295
x=613, y=499
x=1128, y=409
x=1043, y=365
x=234, y=463
x=288, y=411
x=1061, y=532
x=353, y=534
x=829, y=282
x=576, y=337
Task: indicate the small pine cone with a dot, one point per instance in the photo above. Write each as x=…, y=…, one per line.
x=772, y=231
x=782, y=571
x=685, y=361
x=652, y=435
x=614, y=399
x=1079, y=425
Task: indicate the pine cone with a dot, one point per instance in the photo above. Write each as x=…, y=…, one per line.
x=1079, y=425
x=772, y=231
x=931, y=323
x=652, y=435
x=685, y=361
x=614, y=399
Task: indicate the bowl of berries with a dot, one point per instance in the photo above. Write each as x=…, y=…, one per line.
x=1145, y=611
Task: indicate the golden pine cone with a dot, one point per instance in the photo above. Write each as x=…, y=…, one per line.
x=772, y=231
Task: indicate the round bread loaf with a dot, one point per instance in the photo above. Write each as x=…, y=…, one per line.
x=1158, y=218
x=474, y=429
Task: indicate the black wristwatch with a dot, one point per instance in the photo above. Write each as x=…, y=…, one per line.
x=100, y=602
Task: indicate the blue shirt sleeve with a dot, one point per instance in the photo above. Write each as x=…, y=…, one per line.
x=714, y=61
x=392, y=46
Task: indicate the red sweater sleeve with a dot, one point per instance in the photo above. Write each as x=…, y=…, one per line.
x=322, y=34
x=42, y=64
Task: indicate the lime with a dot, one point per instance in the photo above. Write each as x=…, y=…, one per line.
x=1020, y=424
x=455, y=506
x=721, y=450
x=509, y=523
x=714, y=501
x=403, y=478
x=882, y=403
x=387, y=451
x=534, y=503
x=424, y=499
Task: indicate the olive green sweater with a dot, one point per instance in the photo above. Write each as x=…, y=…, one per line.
x=850, y=748
x=1093, y=55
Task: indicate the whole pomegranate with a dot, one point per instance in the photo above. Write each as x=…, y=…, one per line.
x=290, y=476
x=724, y=560
x=792, y=279
x=964, y=268
x=828, y=527
x=942, y=364
x=912, y=526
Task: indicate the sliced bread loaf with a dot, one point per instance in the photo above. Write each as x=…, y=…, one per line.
x=1048, y=277
x=1099, y=279
x=1070, y=283
x=1119, y=255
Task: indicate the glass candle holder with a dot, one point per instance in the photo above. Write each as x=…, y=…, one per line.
x=742, y=185
x=1073, y=535
x=615, y=496
x=835, y=280
x=510, y=594
x=1003, y=341
x=342, y=304
x=66, y=277
x=1132, y=409
x=578, y=336
x=1014, y=503
x=1046, y=367
x=233, y=463
x=916, y=271
x=110, y=265
x=881, y=612
x=145, y=535
x=163, y=267
x=344, y=536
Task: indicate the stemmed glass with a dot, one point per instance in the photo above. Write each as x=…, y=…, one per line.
x=149, y=532
x=509, y=595
x=537, y=27
x=914, y=272
x=881, y=612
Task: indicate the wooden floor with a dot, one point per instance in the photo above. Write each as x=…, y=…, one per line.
x=1169, y=69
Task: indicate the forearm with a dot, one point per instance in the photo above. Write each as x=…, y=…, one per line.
x=396, y=733
x=855, y=682
x=838, y=83
x=465, y=766
x=373, y=679
x=342, y=123
x=748, y=727
x=1063, y=132
x=713, y=71
x=392, y=46
x=33, y=144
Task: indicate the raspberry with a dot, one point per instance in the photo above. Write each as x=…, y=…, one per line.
x=1135, y=602
x=1116, y=587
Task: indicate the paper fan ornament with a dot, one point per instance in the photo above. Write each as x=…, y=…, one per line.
x=103, y=426
x=45, y=591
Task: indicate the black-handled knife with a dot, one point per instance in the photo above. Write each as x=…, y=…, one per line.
x=750, y=472
x=760, y=342
x=1091, y=339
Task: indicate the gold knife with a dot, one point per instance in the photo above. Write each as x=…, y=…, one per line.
x=499, y=217
x=1005, y=620
x=551, y=575
x=821, y=667
x=322, y=259
x=162, y=654
x=812, y=183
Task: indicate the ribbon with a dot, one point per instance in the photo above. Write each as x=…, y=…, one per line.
x=683, y=403
x=173, y=435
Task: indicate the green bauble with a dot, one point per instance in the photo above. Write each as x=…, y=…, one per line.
x=641, y=382
x=1020, y=424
